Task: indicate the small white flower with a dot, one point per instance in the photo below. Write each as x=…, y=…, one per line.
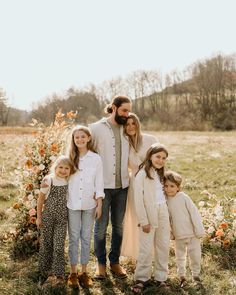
x=37, y=191
x=28, y=205
x=218, y=209
x=215, y=155
x=201, y=203
x=25, y=173
x=30, y=197
x=210, y=230
x=52, y=158
x=8, y=211
x=33, y=203
x=232, y=281
x=205, y=192
x=41, y=167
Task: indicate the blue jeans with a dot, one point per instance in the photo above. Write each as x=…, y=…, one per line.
x=80, y=227
x=115, y=204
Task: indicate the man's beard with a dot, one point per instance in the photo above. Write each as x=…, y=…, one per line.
x=120, y=119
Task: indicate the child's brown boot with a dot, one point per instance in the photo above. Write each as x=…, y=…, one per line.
x=73, y=280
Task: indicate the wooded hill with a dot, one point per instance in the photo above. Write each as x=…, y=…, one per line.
x=202, y=97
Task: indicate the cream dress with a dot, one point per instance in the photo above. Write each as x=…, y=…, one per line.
x=129, y=247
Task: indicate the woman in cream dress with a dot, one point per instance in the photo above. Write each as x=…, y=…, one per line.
x=139, y=144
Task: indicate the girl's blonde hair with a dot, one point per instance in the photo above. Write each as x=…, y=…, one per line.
x=147, y=163
x=174, y=177
x=62, y=160
x=73, y=149
x=136, y=140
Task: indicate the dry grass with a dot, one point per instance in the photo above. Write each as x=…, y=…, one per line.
x=206, y=160
x=16, y=130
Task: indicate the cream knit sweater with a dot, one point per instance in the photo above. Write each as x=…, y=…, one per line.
x=184, y=217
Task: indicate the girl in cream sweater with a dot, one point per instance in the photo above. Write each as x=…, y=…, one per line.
x=152, y=219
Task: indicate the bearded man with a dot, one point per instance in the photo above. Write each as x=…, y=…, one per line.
x=113, y=147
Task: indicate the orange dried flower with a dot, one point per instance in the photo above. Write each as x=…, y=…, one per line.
x=62, y=124
x=16, y=206
x=223, y=225
x=226, y=243
x=28, y=164
x=29, y=187
x=219, y=233
x=71, y=115
x=54, y=147
x=33, y=220
x=59, y=116
x=42, y=152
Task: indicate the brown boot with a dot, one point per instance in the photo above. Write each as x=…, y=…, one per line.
x=73, y=280
x=100, y=272
x=85, y=280
x=118, y=271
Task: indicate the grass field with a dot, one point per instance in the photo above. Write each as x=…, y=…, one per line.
x=207, y=161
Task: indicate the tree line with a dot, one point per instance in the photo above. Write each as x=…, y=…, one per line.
x=201, y=97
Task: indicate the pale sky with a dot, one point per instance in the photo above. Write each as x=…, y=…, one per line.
x=47, y=46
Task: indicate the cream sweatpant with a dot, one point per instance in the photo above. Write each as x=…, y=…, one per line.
x=190, y=247
x=157, y=239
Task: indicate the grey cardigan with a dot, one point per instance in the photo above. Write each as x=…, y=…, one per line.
x=104, y=143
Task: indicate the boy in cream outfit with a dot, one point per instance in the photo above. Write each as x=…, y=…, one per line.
x=187, y=227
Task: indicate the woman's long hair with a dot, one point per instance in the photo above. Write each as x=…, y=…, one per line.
x=73, y=149
x=136, y=140
x=147, y=163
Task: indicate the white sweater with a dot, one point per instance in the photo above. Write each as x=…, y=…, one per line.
x=184, y=217
x=145, y=198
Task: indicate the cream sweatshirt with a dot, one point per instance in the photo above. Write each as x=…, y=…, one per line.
x=185, y=219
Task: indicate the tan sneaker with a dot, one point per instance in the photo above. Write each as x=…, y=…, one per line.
x=85, y=280
x=100, y=272
x=73, y=281
x=118, y=271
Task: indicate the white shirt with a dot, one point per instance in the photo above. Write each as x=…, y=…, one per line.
x=86, y=184
x=49, y=180
x=160, y=197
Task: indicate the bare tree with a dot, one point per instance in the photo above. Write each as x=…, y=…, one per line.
x=4, y=108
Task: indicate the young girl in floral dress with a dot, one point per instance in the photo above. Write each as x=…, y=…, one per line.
x=86, y=191
x=52, y=221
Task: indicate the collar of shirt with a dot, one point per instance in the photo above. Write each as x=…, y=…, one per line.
x=88, y=154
